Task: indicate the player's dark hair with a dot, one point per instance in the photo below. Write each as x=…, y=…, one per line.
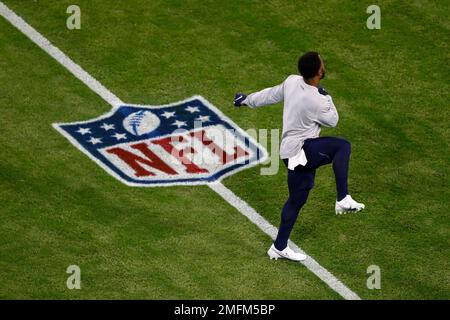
x=309, y=64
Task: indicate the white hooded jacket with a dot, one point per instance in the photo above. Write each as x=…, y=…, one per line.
x=305, y=111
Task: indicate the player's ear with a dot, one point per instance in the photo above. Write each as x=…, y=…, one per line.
x=322, y=71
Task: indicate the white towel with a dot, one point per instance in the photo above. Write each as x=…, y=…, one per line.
x=294, y=161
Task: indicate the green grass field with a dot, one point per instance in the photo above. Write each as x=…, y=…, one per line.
x=58, y=208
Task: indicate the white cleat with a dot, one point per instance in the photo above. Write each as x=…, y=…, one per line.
x=348, y=205
x=287, y=253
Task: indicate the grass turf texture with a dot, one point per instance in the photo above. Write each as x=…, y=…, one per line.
x=59, y=208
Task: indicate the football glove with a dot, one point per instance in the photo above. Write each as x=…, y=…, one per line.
x=322, y=91
x=238, y=98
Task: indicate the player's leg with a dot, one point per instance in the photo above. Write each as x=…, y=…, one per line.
x=325, y=150
x=300, y=182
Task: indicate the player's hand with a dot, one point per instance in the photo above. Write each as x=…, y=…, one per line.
x=239, y=98
x=323, y=91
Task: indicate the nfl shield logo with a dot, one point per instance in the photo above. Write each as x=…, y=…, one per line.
x=188, y=142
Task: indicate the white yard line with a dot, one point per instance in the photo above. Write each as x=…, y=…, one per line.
x=218, y=187
x=58, y=55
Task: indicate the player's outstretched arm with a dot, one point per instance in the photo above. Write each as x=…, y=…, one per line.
x=261, y=98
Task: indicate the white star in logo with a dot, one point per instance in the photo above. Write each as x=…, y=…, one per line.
x=203, y=118
x=107, y=127
x=95, y=140
x=168, y=114
x=83, y=131
x=119, y=136
x=192, y=109
x=179, y=124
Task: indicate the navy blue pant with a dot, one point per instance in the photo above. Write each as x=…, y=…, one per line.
x=319, y=151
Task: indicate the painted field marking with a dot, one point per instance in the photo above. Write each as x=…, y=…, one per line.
x=228, y=195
